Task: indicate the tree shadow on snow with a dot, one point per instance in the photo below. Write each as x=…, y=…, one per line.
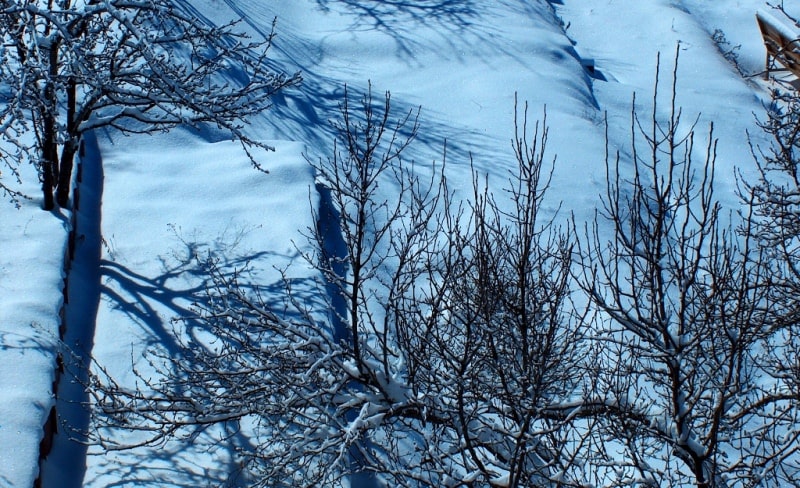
x=400, y=19
x=38, y=341
x=207, y=462
x=303, y=113
x=207, y=456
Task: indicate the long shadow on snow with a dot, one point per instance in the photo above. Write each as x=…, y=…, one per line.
x=151, y=302
x=66, y=464
x=174, y=466
x=399, y=20
x=303, y=113
x=457, y=23
x=334, y=250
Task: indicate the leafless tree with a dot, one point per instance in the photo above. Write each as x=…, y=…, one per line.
x=775, y=200
x=685, y=313
x=441, y=345
x=491, y=342
x=438, y=349
x=140, y=66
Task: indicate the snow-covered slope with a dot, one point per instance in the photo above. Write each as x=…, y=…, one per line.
x=32, y=248
x=157, y=234
x=169, y=198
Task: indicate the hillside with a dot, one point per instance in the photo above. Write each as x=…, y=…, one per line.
x=152, y=205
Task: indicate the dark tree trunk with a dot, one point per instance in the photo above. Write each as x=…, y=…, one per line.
x=65, y=172
x=70, y=147
x=48, y=179
x=50, y=168
x=49, y=151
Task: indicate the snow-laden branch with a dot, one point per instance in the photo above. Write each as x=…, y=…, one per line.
x=134, y=66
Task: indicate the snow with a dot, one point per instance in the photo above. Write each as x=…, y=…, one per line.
x=33, y=244
x=776, y=24
x=170, y=199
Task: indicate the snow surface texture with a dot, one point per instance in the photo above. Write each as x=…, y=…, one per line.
x=169, y=199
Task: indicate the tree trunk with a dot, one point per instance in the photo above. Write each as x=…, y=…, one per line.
x=70, y=147
x=65, y=172
x=49, y=149
x=50, y=123
x=48, y=180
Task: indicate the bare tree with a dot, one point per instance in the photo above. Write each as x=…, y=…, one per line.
x=438, y=349
x=490, y=339
x=775, y=199
x=684, y=314
x=441, y=346
x=776, y=194
x=69, y=66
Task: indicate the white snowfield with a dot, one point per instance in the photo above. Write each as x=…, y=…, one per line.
x=168, y=200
